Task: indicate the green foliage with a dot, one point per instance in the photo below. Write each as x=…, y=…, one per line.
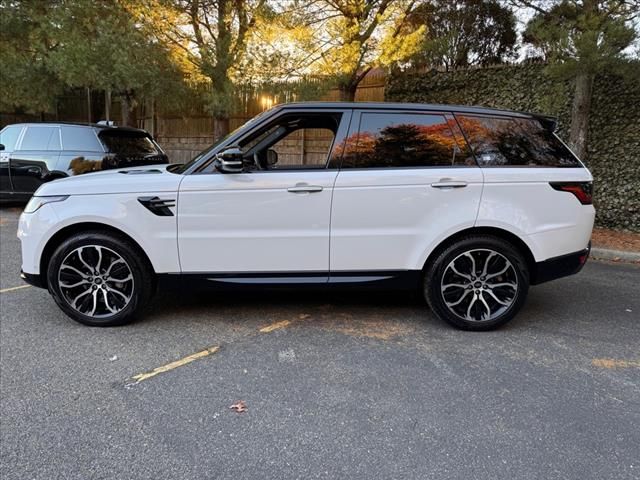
x=26, y=39
x=614, y=132
x=587, y=36
x=102, y=48
x=463, y=33
x=50, y=46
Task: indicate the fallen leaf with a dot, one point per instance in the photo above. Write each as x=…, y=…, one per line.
x=239, y=407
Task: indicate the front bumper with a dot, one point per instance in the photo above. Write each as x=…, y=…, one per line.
x=559, y=267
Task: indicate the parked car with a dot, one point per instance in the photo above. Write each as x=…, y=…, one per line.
x=35, y=153
x=472, y=205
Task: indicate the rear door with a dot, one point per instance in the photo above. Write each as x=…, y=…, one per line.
x=35, y=157
x=8, y=138
x=407, y=181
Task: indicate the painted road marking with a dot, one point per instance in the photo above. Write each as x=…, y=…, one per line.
x=275, y=326
x=178, y=363
x=6, y=290
x=613, y=363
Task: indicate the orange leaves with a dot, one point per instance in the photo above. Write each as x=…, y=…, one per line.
x=239, y=406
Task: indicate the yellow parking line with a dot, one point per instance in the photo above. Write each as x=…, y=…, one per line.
x=5, y=290
x=178, y=363
x=275, y=326
x=615, y=363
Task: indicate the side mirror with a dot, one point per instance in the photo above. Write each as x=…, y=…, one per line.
x=272, y=157
x=230, y=160
x=1, y=147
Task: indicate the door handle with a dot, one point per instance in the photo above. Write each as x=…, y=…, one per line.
x=304, y=189
x=449, y=184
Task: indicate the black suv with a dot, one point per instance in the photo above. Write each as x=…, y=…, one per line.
x=34, y=153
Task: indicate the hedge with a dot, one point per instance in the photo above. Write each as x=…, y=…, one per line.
x=614, y=133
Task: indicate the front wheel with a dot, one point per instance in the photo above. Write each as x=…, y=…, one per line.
x=478, y=283
x=99, y=279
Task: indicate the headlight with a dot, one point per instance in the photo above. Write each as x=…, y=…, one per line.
x=36, y=202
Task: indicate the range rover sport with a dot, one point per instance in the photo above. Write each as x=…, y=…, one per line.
x=473, y=205
x=35, y=153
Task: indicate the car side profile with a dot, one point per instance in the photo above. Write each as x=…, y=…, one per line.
x=35, y=153
x=472, y=205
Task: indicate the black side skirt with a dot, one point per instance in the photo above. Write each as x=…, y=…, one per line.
x=395, y=280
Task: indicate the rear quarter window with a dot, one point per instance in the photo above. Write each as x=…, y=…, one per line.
x=514, y=142
x=80, y=138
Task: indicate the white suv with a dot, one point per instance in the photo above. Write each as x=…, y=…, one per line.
x=471, y=204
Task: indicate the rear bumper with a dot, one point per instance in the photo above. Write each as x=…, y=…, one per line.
x=32, y=279
x=559, y=267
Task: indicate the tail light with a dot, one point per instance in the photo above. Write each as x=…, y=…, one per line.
x=581, y=190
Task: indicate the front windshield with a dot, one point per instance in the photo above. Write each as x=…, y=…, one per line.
x=205, y=153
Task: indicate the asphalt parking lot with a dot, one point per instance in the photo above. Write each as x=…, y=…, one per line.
x=336, y=385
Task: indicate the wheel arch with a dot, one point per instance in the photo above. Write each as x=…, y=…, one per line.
x=66, y=232
x=501, y=233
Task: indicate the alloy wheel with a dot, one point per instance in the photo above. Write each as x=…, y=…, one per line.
x=479, y=285
x=96, y=281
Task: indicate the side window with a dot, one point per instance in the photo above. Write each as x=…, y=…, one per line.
x=80, y=138
x=500, y=141
x=293, y=141
x=403, y=140
x=41, y=138
x=304, y=147
x=9, y=137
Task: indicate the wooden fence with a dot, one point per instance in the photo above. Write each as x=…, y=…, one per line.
x=183, y=136
x=188, y=131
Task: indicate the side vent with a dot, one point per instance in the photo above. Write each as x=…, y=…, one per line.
x=139, y=172
x=158, y=206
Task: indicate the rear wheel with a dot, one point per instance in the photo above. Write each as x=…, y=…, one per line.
x=477, y=283
x=99, y=279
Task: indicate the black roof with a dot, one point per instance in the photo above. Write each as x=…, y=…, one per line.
x=89, y=125
x=548, y=121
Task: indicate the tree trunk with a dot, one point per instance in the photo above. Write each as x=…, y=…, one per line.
x=89, y=115
x=128, y=109
x=347, y=92
x=580, y=114
x=220, y=127
x=107, y=105
x=153, y=117
x=124, y=110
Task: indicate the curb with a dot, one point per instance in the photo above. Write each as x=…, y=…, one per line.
x=615, y=255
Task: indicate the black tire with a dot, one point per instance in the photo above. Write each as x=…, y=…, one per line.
x=441, y=281
x=140, y=288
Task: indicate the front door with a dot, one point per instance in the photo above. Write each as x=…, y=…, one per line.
x=273, y=217
x=8, y=138
x=407, y=182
